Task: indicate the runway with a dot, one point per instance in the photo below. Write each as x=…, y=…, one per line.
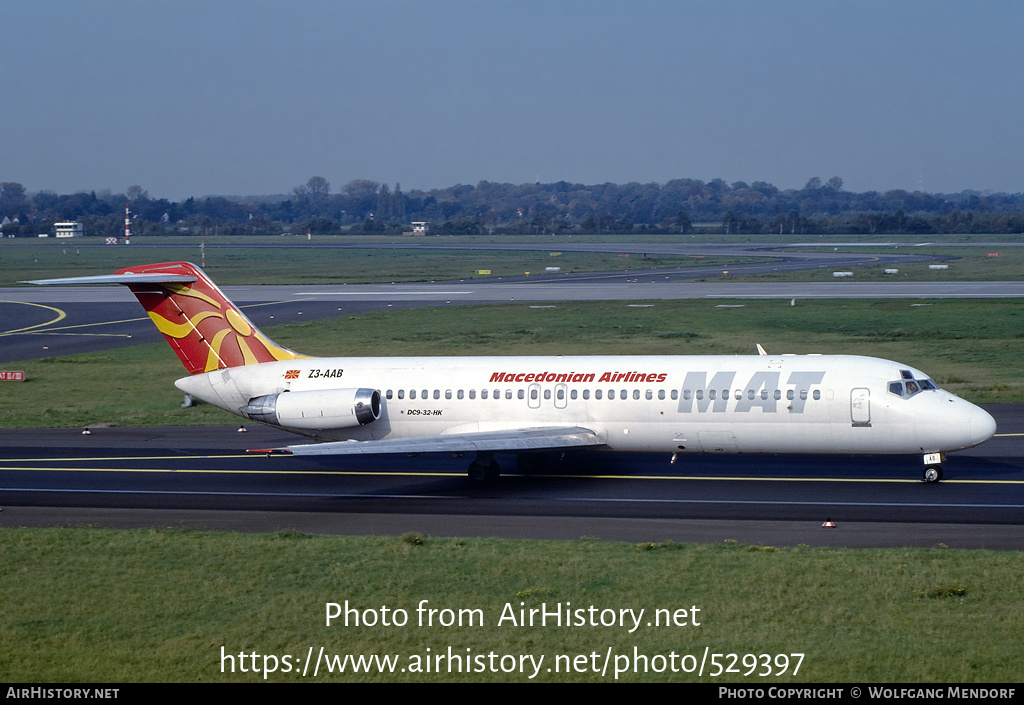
x=201, y=478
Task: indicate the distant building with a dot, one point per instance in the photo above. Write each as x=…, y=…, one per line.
x=68, y=229
x=419, y=229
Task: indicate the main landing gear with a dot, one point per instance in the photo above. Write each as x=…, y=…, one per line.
x=932, y=467
x=484, y=470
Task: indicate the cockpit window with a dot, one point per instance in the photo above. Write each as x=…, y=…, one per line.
x=911, y=386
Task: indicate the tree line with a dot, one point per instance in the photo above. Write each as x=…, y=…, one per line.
x=680, y=206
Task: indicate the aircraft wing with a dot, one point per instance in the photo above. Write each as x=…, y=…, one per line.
x=513, y=440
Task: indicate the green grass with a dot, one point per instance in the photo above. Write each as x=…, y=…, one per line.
x=971, y=347
x=262, y=260
x=147, y=605
x=299, y=264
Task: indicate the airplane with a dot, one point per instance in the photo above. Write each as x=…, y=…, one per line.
x=677, y=404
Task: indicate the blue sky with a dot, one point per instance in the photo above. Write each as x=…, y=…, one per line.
x=248, y=97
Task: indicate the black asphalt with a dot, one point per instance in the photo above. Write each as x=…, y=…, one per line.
x=201, y=477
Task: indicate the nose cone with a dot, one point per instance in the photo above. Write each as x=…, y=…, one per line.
x=945, y=422
x=982, y=425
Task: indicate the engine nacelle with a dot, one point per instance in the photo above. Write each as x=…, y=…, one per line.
x=316, y=409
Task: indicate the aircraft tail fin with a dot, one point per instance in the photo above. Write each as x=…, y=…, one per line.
x=201, y=325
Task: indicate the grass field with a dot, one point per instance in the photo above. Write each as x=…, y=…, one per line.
x=298, y=264
x=262, y=260
x=145, y=605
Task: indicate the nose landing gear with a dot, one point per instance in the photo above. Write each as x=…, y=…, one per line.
x=932, y=467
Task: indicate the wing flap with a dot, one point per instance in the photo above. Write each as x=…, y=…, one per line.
x=489, y=441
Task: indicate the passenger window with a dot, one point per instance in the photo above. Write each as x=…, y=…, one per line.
x=817, y=394
x=472, y=394
x=764, y=394
x=388, y=394
x=803, y=394
x=597, y=394
x=650, y=394
x=560, y=394
x=611, y=393
x=686, y=394
x=483, y=393
x=547, y=393
x=675, y=394
x=636, y=393
x=789, y=394
x=522, y=393
x=401, y=394
x=586, y=393
x=778, y=394
x=661, y=394
x=460, y=395
x=412, y=393
x=437, y=393
x=750, y=394
x=699, y=394
x=447, y=394
x=572, y=394
x=508, y=393
x=725, y=393
x=497, y=394
x=426, y=394
x=712, y=394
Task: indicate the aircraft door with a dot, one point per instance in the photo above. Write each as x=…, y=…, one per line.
x=561, y=396
x=860, y=406
x=533, y=396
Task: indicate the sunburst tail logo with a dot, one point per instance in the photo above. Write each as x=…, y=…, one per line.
x=202, y=326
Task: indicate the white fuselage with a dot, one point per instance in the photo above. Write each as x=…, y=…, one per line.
x=784, y=403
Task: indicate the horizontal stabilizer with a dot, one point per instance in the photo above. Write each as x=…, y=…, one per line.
x=127, y=278
x=487, y=441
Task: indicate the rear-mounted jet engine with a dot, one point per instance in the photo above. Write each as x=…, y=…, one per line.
x=316, y=410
